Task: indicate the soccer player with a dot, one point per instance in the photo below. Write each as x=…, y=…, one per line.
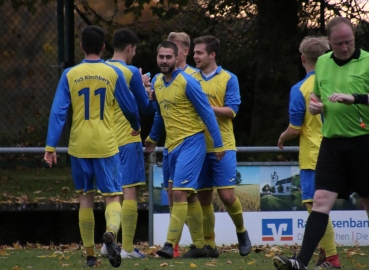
x=222, y=89
x=183, y=42
x=308, y=127
x=342, y=161
x=181, y=106
x=92, y=88
x=132, y=164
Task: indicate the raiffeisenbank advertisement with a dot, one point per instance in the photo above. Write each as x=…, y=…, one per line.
x=270, y=196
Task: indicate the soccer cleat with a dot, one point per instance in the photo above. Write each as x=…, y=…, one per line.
x=244, y=243
x=104, y=251
x=166, y=252
x=175, y=251
x=212, y=252
x=134, y=254
x=113, y=249
x=331, y=262
x=282, y=263
x=90, y=261
x=195, y=252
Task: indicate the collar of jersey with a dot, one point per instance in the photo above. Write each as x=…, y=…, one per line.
x=174, y=75
x=117, y=61
x=93, y=61
x=217, y=71
x=309, y=74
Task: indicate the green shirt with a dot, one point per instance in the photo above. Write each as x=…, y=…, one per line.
x=342, y=120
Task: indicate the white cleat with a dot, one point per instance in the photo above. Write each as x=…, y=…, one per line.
x=130, y=255
x=104, y=251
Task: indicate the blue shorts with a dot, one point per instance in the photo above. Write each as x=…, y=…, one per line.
x=131, y=165
x=183, y=164
x=307, y=180
x=96, y=175
x=218, y=174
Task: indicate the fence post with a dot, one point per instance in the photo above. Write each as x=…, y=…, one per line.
x=151, y=161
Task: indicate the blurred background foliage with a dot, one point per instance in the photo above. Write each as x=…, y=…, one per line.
x=259, y=43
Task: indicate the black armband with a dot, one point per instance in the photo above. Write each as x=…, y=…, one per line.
x=360, y=99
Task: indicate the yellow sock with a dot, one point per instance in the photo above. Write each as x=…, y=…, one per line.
x=129, y=222
x=90, y=251
x=170, y=209
x=327, y=242
x=209, y=225
x=87, y=229
x=195, y=224
x=112, y=217
x=177, y=220
x=235, y=212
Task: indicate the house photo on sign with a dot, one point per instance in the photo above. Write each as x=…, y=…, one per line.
x=269, y=187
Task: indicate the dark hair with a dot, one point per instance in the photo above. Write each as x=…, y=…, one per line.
x=169, y=45
x=335, y=21
x=124, y=37
x=93, y=39
x=211, y=42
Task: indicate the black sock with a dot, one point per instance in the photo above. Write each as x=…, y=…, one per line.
x=314, y=232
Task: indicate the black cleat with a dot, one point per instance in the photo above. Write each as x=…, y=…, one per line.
x=166, y=252
x=196, y=252
x=113, y=249
x=244, y=243
x=212, y=252
x=90, y=261
x=283, y=263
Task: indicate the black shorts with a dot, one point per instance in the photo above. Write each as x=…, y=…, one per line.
x=343, y=166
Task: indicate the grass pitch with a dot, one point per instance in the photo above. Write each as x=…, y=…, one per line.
x=72, y=257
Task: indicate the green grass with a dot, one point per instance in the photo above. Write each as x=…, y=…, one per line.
x=43, y=185
x=64, y=257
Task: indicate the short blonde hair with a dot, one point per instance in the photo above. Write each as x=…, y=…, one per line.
x=181, y=37
x=313, y=47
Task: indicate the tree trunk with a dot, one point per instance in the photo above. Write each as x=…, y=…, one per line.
x=277, y=70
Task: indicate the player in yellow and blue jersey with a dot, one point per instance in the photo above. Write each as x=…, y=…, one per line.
x=132, y=165
x=222, y=90
x=308, y=127
x=92, y=89
x=184, y=109
x=183, y=42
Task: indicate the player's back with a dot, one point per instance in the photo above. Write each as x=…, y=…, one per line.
x=92, y=85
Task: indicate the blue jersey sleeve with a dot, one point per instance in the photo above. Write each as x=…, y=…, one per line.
x=138, y=90
x=201, y=103
x=126, y=100
x=232, y=96
x=158, y=124
x=157, y=127
x=59, y=111
x=297, y=107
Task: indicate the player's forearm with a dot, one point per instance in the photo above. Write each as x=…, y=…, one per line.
x=224, y=112
x=290, y=133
